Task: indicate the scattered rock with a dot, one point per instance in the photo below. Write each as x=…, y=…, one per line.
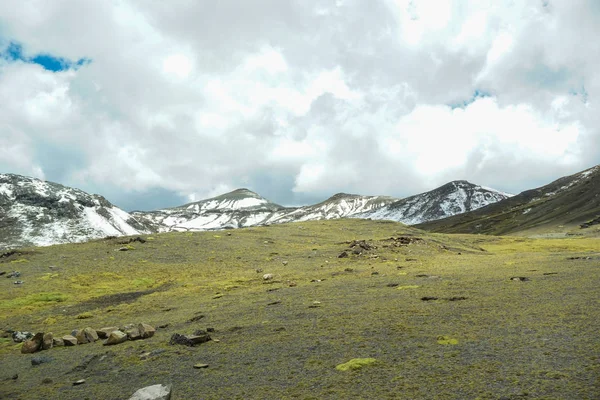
x=58, y=342
x=199, y=366
x=134, y=334
x=259, y=270
x=79, y=382
x=189, y=340
x=349, y=269
x=103, y=333
x=374, y=273
x=87, y=335
x=146, y=331
x=410, y=259
x=19, y=337
x=47, y=341
x=34, y=344
x=40, y=360
x=18, y=282
x=196, y=318
x=273, y=289
x=123, y=249
x=519, y=278
x=152, y=353
x=284, y=262
x=15, y=377
x=317, y=280
x=267, y=277
x=116, y=337
x=2, y=273
x=69, y=340
x=154, y=392
x=428, y=298
x=422, y=276
x=315, y=304
x=292, y=284
x=163, y=326
x=210, y=329
x=13, y=274
x=392, y=284
x=456, y=298
x=343, y=254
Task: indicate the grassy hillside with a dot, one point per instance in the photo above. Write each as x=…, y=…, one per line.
x=559, y=207
x=485, y=336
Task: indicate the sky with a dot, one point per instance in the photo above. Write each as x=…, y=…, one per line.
x=155, y=104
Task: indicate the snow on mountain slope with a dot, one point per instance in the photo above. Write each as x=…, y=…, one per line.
x=39, y=213
x=236, y=209
x=337, y=206
x=450, y=199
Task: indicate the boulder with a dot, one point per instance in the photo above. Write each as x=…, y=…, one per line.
x=87, y=335
x=267, y=277
x=47, y=341
x=189, y=340
x=116, y=337
x=154, y=392
x=69, y=340
x=134, y=334
x=103, y=333
x=34, y=344
x=146, y=331
x=58, y=342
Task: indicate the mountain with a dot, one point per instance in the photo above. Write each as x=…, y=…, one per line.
x=236, y=209
x=450, y=199
x=566, y=203
x=39, y=213
x=339, y=205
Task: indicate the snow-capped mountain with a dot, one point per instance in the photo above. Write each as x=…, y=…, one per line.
x=39, y=213
x=236, y=209
x=453, y=198
x=337, y=206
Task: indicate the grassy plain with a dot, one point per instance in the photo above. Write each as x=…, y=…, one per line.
x=485, y=336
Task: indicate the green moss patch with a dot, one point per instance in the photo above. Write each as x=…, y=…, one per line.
x=355, y=364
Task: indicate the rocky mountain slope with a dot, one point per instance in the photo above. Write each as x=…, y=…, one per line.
x=568, y=202
x=450, y=199
x=39, y=213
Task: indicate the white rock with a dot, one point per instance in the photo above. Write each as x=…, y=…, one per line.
x=154, y=392
x=267, y=277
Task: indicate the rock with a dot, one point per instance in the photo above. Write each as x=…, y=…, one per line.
x=103, y=333
x=267, y=277
x=259, y=270
x=284, y=262
x=34, y=344
x=2, y=273
x=74, y=332
x=146, y=331
x=519, y=278
x=134, y=334
x=87, y=335
x=116, y=337
x=18, y=282
x=189, y=340
x=47, y=341
x=69, y=340
x=343, y=254
x=154, y=392
x=58, y=342
x=123, y=249
x=14, y=274
x=79, y=382
x=198, y=366
x=15, y=377
x=19, y=337
x=47, y=381
x=40, y=360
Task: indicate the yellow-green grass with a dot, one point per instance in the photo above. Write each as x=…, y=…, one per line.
x=486, y=336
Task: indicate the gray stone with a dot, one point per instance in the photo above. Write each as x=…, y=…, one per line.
x=87, y=335
x=103, y=333
x=79, y=382
x=134, y=334
x=146, y=331
x=58, y=342
x=267, y=277
x=154, y=392
x=40, y=360
x=47, y=341
x=69, y=340
x=116, y=337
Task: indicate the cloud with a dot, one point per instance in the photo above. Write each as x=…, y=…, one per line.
x=298, y=100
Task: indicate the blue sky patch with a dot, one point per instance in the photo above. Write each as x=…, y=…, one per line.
x=14, y=52
x=477, y=94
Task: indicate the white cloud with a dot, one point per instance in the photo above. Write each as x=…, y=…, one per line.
x=204, y=97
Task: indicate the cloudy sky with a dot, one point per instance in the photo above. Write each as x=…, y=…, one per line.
x=157, y=103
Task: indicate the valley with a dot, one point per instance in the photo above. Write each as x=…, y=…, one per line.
x=443, y=316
